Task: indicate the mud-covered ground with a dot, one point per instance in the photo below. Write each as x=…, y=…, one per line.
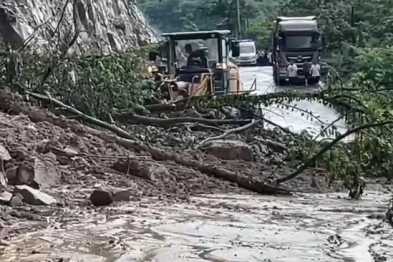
x=317, y=227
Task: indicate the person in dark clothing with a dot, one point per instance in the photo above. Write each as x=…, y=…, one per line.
x=307, y=71
x=199, y=54
x=188, y=49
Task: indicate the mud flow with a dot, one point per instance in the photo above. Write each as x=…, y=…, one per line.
x=293, y=117
x=235, y=228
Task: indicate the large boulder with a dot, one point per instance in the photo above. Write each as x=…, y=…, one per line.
x=101, y=197
x=109, y=25
x=229, y=150
x=41, y=173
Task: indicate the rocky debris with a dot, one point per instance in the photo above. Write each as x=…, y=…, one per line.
x=144, y=169
x=389, y=215
x=38, y=173
x=229, y=150
x=33, y=196
x=68, y=159
x=5, y=197
x=101, y=197
x=4, y=156
x=109, y=25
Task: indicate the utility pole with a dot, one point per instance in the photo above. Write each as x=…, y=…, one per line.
x=238, y=34
x=353, y=24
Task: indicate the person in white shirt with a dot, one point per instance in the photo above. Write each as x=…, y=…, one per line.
x=292, y=73
x=315, y=72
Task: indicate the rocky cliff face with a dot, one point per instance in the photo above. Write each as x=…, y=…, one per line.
x=109, y=25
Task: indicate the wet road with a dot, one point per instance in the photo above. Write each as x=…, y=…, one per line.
x=289, y=118
x=218, y=228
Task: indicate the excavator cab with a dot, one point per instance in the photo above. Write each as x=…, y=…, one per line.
x=198, y=64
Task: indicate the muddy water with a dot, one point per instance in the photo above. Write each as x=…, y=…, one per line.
x=236, y=228
x=288, y=118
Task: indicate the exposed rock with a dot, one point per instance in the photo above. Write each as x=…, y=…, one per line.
x=143, y=169
x=5, y=197
x=230, y=150
x=101, y=198
x=315, y=183
x=389, y=215
x=12, y=175
x=33, y=196
x=16, y=200
x=124, y=195
x=108, y=25
x=42, y=175
x=4, y=156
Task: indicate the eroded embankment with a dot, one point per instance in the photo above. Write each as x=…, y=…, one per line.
x=315, y=227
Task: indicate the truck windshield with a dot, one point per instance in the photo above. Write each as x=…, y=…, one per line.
x=299, y=42
x=247, y=49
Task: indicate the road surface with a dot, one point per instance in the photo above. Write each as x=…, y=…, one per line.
x=288, y=118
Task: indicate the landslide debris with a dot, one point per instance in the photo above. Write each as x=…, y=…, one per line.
x=56, y=162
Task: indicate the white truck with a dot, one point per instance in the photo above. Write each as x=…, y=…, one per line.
x=248, y=53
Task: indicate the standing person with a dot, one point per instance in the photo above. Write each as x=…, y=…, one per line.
x=306, y=70
x=315, y=72
x=292, y=73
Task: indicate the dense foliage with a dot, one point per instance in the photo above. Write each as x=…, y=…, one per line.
x=96, y=84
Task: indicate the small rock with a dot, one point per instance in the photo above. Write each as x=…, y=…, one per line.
x=101, y=198
x=230, y=150
x=4, y=154
x=124, y=195
x=146, y=170
x=315, y=183
x=5, y=197
x=16, y=200
x=12, y=175
x=33, y=196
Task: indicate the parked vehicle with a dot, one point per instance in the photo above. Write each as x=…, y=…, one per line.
x=296, y=39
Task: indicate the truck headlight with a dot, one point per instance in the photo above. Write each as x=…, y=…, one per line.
x=152, y=69
x=222, y=66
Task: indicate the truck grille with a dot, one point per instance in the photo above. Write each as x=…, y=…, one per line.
x=301, y=60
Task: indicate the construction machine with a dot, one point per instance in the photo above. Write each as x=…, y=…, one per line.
x=197, y=64
x=296, y=39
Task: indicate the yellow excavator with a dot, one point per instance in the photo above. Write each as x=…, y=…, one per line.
x=197, y=64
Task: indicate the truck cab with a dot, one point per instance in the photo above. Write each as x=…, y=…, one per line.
x=295, y=39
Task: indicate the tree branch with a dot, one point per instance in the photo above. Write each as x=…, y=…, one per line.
x=307, y=163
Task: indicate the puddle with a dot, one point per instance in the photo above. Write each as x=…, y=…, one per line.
x=219, y=228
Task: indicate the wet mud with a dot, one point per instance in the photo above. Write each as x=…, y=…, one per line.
x=293, y=119
x=318, y=227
